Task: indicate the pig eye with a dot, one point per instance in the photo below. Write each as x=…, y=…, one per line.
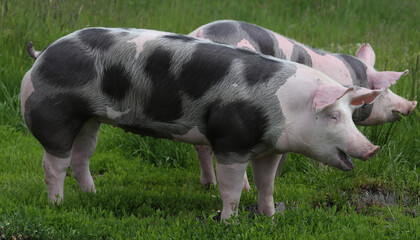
x=334, y=116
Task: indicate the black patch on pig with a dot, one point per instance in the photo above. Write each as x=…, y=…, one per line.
x=259, y=69
x=359, y=68
x=124, y=34
x=116, y=82
x=234, y=127
x=220, y=29
x=260, y=36
x=208, y=65
x=55, y=120
x=362, y=113
x=97, y=38
x=300, y=55
x=65, y=64
x=179, y=37
x=165, y=104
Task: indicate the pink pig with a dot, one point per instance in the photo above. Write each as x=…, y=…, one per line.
x=345, y=69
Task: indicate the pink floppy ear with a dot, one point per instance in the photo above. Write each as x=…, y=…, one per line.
x=327, y=95
x=385, y=79
x=366, y=54
x=364, y=96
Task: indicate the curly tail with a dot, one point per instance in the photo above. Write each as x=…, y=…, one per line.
x=31, y=51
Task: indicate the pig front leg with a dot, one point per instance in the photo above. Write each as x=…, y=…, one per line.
x=205, y=157
x=264, y=170
x=83, y=148
x=230, y=178
x=55, y=173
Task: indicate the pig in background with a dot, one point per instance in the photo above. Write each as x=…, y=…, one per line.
x=246, y=106
x=345, y=69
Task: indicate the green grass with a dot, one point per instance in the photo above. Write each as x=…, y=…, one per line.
x=149, y=189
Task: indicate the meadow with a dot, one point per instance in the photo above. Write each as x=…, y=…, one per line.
x=150, y=189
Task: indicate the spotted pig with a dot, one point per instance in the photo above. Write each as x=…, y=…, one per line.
x=246, y=106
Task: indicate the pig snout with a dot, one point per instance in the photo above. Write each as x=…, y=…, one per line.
x=412, y=107
x=405, y=109
x=370, y=153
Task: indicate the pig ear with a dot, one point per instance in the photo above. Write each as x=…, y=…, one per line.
x=366, y=54
x=385, y=79
x=364, y=96
x=327, y=95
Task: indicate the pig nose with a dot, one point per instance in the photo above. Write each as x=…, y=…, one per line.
x=412, y=108
x=370, y=153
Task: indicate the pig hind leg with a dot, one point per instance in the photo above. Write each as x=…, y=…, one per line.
x=55, y=120
x=83, y=148
x=264, y=171
x=54, y=174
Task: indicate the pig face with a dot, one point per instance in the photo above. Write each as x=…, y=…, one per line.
x=389, y=107
x=325, y=131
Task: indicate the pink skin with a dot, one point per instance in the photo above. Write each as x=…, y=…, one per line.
x=54, y=173
x=230, y=178
x=26, y=90
x=245, y=44
x=142, y=39
x=287, y=46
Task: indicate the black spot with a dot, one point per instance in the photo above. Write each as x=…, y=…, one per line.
x=224, y=29
x=56, y=120
x=179, y=37
x=235, y=127
x=260, y=36
x=116, y=82
x=300, y=55
x=123, y=34
x=359, y=68
x=97, y=38
x=207, y=67
x=362, y=113
x=66, y=65
x=165, y=102
x=259, y=69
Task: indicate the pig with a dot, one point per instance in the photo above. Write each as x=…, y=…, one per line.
x=245, y=105
x=345, y=69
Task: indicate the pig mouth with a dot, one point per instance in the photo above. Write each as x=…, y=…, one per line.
x=397, y=114
x=345, y=158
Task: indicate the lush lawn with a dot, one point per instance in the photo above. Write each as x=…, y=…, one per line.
x=149, y=189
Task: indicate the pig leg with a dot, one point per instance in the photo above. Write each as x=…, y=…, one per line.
x=264, y=170
x=230, y=178
x=83, y=148
x=55, y=172
x=205, y=157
